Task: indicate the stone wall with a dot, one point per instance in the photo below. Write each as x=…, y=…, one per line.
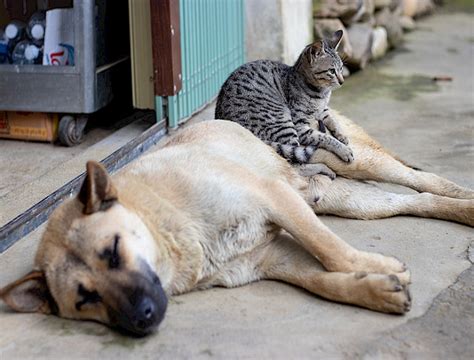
x=280, y=29
x=371, y=27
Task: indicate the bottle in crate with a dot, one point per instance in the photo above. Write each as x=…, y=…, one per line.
x=59, y=38
x=3, y=48
x=36, y=27
x=26, y=53
x=15, y=30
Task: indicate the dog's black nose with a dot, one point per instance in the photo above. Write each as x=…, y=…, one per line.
x=140, y=308
x=145, y=313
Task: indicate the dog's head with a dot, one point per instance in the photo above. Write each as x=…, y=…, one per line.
x=96, y=262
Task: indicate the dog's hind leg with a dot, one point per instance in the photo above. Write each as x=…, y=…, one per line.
x=359, y=200
x=288, y=210
x=373, y=162
x=286, y=261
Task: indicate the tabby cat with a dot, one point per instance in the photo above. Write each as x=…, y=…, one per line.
x=287, y=106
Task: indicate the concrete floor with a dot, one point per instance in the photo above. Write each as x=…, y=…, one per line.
x=31, y=171
x=428, y=124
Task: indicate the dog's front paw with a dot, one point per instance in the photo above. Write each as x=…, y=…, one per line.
x=361, y=261
x=384, y=293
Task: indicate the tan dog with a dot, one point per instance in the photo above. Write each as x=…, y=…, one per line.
x=346, y=197
x=208, y=209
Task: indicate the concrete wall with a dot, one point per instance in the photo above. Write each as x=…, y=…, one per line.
x=297, y=27
x=277, y=29
x=263, y=30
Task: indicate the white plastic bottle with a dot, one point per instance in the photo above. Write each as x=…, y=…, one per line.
x=26, y=53
x=34, y=54
x=36, y=27
x=59, y=37
x=3, y=48
x=15, y=30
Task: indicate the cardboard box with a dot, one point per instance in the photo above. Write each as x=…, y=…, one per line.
x=28, y=126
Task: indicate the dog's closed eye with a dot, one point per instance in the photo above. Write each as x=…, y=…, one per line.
x=88, y=297
x=112, y=254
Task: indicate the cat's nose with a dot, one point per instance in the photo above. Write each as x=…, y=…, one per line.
x=340, y=79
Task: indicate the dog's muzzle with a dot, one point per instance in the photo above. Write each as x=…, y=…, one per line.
x=141, y=308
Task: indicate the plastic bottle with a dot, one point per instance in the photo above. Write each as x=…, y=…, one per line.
x=15, y=30
x=3, y=48
x=26, y=53
x=36, y=27
x=34, y=53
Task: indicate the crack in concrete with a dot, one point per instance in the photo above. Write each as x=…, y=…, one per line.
x=443, y=331
x=470, y=253
x=454, y=302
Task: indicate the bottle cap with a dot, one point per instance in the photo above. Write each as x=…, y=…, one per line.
x=31, y=52
x=37, y=32
x=11, y=31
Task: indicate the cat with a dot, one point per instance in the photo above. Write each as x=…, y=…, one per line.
x=287, y=106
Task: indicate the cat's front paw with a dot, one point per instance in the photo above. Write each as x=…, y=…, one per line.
x=335, y=130
x=341, y=138
x=345, y=153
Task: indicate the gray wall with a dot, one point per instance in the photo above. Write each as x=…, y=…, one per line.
x=277, y=29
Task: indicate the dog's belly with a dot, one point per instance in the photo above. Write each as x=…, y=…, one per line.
x=230, y=256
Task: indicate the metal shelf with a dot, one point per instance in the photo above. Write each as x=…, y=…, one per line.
x=80, y=89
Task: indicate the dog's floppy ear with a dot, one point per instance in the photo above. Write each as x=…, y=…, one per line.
x=97, y=192
x=29, y=294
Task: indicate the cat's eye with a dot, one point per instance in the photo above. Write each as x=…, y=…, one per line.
x=332, y=71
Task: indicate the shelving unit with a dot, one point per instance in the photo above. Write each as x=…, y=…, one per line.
x=74, y=91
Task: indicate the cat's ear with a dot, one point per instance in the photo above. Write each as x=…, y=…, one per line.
x=335, y=41
x=315, y=49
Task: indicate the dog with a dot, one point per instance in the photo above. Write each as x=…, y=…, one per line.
x=217, y=207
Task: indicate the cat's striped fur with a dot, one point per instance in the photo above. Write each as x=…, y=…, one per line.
x=287, y=106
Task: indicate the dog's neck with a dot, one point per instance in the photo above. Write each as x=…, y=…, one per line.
x=172, y=265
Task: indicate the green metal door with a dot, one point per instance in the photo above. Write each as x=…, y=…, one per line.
x=212, y=46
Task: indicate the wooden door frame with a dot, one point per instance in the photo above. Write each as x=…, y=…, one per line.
x=165, y=27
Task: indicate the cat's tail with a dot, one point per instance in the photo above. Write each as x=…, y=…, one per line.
x=295, y=154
